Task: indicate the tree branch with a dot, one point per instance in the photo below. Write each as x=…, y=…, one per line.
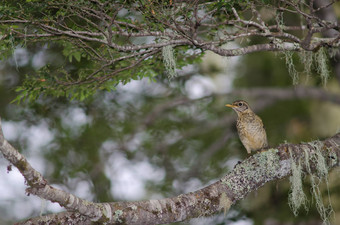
x=327, y=13
x=40, y=187
x=98, y=33
x=251, y=174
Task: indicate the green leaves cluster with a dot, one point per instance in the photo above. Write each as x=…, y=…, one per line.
x=90, y=60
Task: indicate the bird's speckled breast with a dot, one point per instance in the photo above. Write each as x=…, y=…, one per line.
x=251, y=131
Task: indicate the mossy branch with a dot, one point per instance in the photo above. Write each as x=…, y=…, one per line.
x=246, y=177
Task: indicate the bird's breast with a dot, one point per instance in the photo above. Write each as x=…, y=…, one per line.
x=251, y=131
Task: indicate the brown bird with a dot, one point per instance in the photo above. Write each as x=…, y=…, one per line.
x=249, y=127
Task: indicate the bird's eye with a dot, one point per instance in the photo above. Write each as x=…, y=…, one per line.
x=240, y=104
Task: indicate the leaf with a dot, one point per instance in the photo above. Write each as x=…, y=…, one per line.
x=77, y=56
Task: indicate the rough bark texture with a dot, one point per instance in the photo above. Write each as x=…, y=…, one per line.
x=251, y=174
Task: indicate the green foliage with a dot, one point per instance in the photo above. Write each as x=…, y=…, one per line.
x=228, y=4
x=100, y=53
x=89, y=63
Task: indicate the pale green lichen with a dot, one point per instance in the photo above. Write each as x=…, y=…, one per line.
x=333, y=52
x=133, y=207
x=297, y=197
x=264, y=166
x=169, y=61
x=107, y=213
x=279, y=19
x=271, y=161
x=316, y=180
x=306, y=58
x=224, y=203
x=321, y=166
x=117, y=214
x=13, y=50
x=321, y=60
x=290, y=66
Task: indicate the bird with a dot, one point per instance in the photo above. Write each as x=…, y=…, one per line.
x=249, y=126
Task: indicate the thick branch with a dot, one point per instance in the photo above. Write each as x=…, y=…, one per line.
x=39, y=186
x=251, y=174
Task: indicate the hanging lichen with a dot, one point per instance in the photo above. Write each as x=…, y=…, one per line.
x=321, y=60
x=279, y=19
x=306, y=58
x=291, y=68
x=333, y=52
x=225, y=203
x=316, y=179
x=169, y=61
x=318, y=61
x=13, y=50
x=297, y=197
x=312, y=159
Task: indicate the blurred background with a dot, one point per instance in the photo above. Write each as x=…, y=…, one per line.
x=150, y=140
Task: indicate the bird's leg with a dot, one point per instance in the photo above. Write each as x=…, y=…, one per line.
x=238, y=162
x=263, y=149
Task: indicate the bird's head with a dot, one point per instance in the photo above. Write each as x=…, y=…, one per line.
x=240, y=107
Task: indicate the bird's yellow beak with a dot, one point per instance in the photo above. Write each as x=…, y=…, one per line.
x=228, y=105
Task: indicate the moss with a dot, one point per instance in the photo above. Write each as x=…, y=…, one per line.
x=306, y=58
x=169, y=61
x=117, y=214
x=271, y=160
x=316, y=179
x=224, y=203
x=321, y=60
x=320, y=161
x=333, y=52
x=224, y=181
x=133, y=207
x=21, y=165
x=315, y=166
x=290, y=66
x=297, y=197
x=106, y=209
x=251, y=173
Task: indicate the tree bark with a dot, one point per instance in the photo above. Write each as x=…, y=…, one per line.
x=248, y=176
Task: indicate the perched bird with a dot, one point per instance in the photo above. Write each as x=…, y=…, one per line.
x=249, y=127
